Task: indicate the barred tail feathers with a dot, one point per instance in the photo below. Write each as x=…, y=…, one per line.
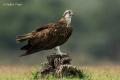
x=22, y=38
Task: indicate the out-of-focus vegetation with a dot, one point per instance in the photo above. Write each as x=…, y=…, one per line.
x=96, y=35
x=105, y=72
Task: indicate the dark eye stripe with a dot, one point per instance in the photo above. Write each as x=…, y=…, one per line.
x=69, y=12
x=66, y=13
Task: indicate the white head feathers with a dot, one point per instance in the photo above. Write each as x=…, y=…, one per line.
x=68, y=15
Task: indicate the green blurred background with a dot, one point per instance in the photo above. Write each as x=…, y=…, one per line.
x=96, y=35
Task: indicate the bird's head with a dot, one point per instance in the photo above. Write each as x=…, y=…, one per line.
x=68, y=15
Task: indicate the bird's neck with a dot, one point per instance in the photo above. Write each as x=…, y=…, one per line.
x=68, y=21
x=65, y=21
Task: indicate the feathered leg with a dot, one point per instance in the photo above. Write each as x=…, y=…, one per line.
x=58, y=51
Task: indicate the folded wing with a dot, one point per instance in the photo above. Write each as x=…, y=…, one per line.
x=38, y=40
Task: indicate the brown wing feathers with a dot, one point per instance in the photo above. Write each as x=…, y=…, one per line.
x=39, y=36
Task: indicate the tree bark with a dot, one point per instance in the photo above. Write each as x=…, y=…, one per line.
x=60, y=65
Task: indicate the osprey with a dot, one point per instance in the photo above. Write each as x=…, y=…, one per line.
x=48, y=36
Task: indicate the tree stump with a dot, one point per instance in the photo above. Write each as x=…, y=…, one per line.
x=60, y=65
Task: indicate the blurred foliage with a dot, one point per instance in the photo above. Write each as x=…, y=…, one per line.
x=96, y=25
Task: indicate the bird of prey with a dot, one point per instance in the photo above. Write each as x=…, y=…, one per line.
x=49, y=36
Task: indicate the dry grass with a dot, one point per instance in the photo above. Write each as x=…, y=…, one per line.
x=103, y=72
x=15, y=72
